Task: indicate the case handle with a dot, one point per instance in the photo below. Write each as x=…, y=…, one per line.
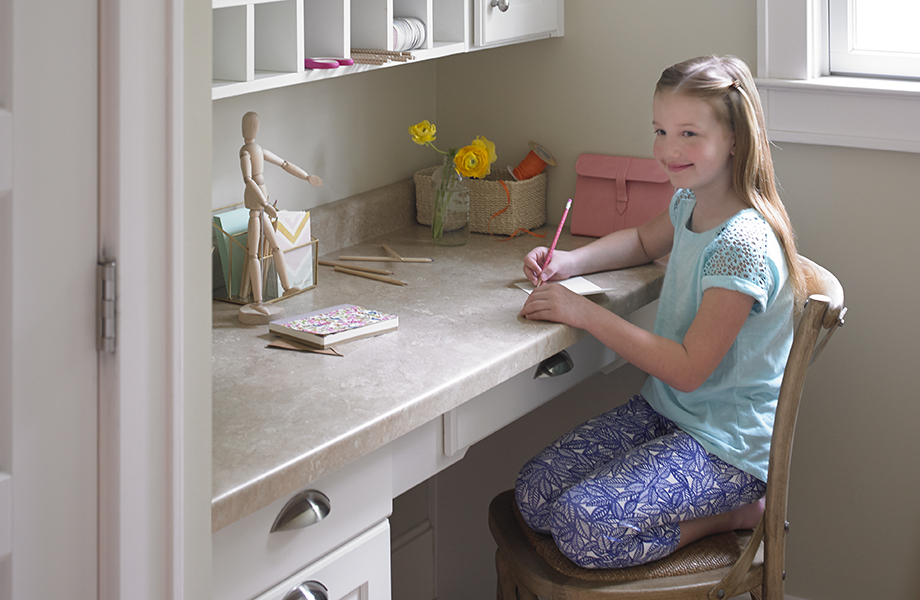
x=304, y=509
x=308, y=590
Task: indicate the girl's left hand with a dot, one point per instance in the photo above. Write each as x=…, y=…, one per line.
x=554, y=302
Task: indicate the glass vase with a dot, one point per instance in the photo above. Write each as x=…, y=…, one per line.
x=450, y=220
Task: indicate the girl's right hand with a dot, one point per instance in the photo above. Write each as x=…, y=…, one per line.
x=558, y=269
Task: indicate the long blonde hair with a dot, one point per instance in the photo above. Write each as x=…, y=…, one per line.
x=727, y=84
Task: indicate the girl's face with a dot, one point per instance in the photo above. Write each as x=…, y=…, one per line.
x=692, y=145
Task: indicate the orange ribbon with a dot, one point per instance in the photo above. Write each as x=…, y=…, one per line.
x=517, y=231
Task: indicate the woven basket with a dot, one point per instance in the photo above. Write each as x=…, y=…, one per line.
x=527, y=209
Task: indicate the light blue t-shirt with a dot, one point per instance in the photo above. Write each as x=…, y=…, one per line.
x=731, y=414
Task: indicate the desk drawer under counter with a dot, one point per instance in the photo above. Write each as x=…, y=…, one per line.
x=327, y=515
x=490, y=411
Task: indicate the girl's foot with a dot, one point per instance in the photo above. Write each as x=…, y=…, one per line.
x=744, y=517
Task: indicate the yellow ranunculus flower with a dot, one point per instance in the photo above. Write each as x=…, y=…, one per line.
x=473, y=160
x=423, y=133
x=489, y=146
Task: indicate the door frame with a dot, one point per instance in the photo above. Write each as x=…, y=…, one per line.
x=154, y=392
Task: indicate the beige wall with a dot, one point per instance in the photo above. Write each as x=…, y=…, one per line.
x=352, y=131
x=854, y=510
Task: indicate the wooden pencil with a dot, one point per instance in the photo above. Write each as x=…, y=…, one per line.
x=332, y=263
x=392, y=253
x=386, y=259
x=370, y=276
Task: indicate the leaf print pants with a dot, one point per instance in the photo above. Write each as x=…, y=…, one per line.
x=613, y=491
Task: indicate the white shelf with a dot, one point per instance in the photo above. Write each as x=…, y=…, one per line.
x=261, y=44
x=269, y=80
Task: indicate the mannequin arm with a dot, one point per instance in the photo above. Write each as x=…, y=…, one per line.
x=291, y=168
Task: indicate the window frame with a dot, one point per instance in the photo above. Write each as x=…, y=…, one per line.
x=846, y=59
x=803, y=103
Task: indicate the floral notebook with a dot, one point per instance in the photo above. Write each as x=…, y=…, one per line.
x=337, y=324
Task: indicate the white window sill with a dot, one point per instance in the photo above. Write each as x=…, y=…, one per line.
x=843, y=111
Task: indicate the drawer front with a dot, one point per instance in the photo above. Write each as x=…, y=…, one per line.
x=490, y=411
x=247, y=559
x=359, y=570
x=521, y=20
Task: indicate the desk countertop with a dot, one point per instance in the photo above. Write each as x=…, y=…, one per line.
x=282, y=419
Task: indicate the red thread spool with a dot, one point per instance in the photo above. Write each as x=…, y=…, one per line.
x=534, y=163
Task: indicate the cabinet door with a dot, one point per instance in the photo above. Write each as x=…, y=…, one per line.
x=522, y=19
x=359, y=570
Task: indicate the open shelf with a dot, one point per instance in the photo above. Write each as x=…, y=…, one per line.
x=261, y=44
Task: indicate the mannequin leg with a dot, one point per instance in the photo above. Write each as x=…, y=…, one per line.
x=255, y=266
x=277, y=257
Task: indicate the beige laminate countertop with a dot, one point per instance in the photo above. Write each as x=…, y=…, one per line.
x=282, y=419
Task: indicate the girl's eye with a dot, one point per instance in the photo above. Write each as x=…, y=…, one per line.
x=689, y=133
x=659, y=132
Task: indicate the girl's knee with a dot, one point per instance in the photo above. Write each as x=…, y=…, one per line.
x=603, y=542
x=534, y=508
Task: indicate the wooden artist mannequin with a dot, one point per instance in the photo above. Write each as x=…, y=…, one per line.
x=255, y=198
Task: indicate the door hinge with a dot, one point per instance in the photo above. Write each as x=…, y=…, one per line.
x=105, y=275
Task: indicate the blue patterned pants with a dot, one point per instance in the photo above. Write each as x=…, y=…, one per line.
x=613, y=491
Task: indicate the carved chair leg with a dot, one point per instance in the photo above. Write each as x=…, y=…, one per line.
x=505, y=580
x=757, y=593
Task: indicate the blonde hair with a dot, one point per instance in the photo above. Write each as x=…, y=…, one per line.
x=727, y=84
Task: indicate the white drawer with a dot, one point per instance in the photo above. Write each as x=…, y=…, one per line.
x=490, y=411
x=359, y=570
x=247, y=559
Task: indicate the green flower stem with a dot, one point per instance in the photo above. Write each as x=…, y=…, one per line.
x=442, y=198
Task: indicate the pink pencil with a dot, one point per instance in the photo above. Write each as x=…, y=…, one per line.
x=549, y=255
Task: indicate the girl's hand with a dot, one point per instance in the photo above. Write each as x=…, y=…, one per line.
x=557, y=303
x=559, y=268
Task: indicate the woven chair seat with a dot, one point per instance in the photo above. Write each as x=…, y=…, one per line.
x=707, y=554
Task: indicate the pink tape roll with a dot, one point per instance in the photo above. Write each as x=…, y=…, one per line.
x=320, y=63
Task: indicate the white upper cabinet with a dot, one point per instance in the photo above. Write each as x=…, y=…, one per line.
x=264, y=44
x=500, y=22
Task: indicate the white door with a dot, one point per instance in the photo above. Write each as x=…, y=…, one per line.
x=109, y=466
x=47, y=285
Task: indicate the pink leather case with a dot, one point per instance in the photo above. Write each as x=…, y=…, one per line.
x=617, y=192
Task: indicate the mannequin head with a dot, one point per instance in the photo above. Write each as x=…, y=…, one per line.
x=250, y=125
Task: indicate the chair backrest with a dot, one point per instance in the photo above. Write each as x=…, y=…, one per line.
x=823, y=310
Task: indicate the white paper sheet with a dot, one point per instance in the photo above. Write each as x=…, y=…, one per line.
x=579, y=285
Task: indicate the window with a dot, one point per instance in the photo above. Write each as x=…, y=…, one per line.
x=875, y=37
x=805, y=103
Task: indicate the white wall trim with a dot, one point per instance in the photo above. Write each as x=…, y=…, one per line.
x=804, y=104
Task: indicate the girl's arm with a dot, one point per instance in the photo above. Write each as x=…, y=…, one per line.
x=684, y=366
x=618, y=250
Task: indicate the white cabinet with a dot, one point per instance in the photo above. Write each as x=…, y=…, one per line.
x=359, y=570
x=499, y=22
x=262, y=44
x=248, y=559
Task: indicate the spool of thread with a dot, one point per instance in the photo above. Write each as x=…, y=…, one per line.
x=534, y=163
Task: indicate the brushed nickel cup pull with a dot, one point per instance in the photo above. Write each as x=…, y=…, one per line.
x=308, y=590
x=304, y=509
x=557, y=364
x=501, y=5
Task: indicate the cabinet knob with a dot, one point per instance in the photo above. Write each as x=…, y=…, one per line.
x=557, y=364
x=502, y=5
x=304, y=509
x=308, y=590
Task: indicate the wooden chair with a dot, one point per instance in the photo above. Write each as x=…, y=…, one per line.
x=528, y=564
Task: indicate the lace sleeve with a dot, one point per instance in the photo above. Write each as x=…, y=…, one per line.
x=737, y=259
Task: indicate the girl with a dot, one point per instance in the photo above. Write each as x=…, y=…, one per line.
x=687, y=457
